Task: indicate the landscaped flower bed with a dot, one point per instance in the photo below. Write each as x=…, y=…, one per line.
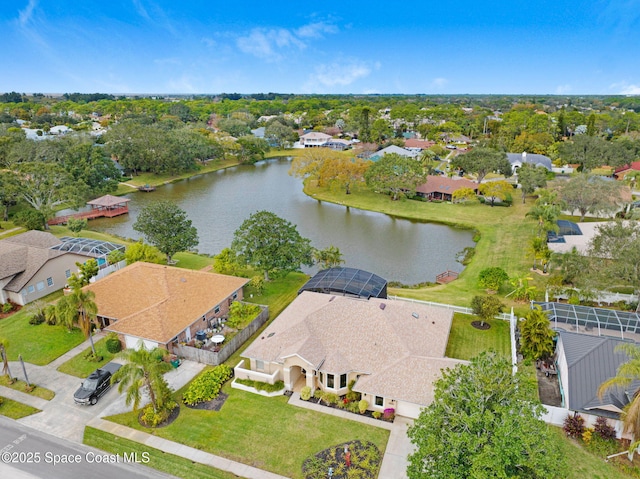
x=350, y=402
x=354, y=459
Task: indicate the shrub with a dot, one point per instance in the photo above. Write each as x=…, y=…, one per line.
x=36, y=319
x=317, y=394
x=305, y=393
x=330, y=398
x=492, y=278
x=153, y=418
x=602, y=447
x=389, y=414
x=603, y=429
x=377, y=414
x=573, y=425
x=353, y=407
x=241, y=312
x=587, y=435
x=262, y=386
x=7, y=307
x=207, y=386
x=113, y=343
x=362, y=406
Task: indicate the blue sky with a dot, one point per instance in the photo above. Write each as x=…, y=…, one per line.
x=171, y=46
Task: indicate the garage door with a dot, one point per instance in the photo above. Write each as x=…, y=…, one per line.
x=134, y=343
x=407, y=409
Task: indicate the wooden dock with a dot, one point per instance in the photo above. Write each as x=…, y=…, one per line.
x=89, y=215
x=446, y=277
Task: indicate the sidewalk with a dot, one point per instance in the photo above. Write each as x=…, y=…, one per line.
x=394, y=462
x=187, y=452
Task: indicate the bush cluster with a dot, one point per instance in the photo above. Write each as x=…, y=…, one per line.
x=262, y=386
x=305, y=393
x=573, y=425
x=153, y=418
x=207, y=386
x=113, y=343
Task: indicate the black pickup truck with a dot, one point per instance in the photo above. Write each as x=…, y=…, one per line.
x=96, y=384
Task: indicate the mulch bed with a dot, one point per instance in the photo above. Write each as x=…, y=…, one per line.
x=364, y=461
x=367, y=413
x=214, y=405
x=479, y=325
x=16, y=308
x=172, y=417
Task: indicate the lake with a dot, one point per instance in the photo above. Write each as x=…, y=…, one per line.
x=396, y=249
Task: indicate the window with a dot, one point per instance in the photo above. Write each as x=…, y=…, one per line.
x=343, y=381
x=259, y=365
x=49, y=281
x=321, y=375
x=40, y=285
x=217, y=310
x=235, y=295
x=30, y=289
x=379, y=401
x=67, y=273
x=330, y=381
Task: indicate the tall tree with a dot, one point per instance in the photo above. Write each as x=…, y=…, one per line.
x=496, y=190
x=78, y=308
x=531, y=178
x=484, y=422
x=9, y=192
x=591, y=194
x=167, y=227
x=329, y=257
x=394, y=174
x=143, y=368
x=271, y=244
x=4, y=344
x=481, y=161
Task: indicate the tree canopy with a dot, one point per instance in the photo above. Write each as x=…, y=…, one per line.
x=271, y=244
x=481, y=161
x=167, y=227
x=619, y=243
x=591, y=194
x=484, y=423
x=395, y=174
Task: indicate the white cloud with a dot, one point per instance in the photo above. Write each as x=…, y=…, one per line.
x=210, y=42
x=439, y=82
x=315, y=30
x=24, y=16
x=141, y=10
x=563, y=89
x=264, y=43
x=341, y=73
x=623, y=88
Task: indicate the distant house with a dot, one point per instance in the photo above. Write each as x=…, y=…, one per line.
x=415, y=144
x=584, y=363
x=518, y=159
x=394, y=149
x=162, y=305
x=31, y=267
x=314, y=139
x=259, y=132
x=394, y=350
x=442, y=188
x=621, y=172
x=338, y=144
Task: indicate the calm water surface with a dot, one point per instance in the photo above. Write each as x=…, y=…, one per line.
x=218, y=203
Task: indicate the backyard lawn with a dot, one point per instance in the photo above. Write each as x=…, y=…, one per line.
x=263, y=432
x=465, y=341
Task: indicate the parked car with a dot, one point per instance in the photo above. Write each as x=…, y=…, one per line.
x=96, y=384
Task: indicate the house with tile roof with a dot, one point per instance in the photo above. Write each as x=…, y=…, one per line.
x=622, y=171
x=442, y=188
x=31, y=267
x=584, y=363
x=162, y=305
x=394, y=350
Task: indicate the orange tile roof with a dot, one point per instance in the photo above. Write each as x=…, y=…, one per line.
x=157, y=302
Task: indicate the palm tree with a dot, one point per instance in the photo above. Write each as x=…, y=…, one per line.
x=79, y=307
x=536, y=335
x=143, y=368
x=4, y=344
x=329, y=257
x=627, y=373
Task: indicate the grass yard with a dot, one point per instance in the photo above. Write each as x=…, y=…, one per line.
x=14, y=409
x=21, y=386
x=39, y=344
x=503, y=237
x=158, y=180
x=466, y=342
x=263, y=432
x=162, y=461
x=81, y=367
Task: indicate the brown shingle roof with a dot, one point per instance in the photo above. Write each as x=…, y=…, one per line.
x=157, y=302
x=442, y=184
x=344, y=334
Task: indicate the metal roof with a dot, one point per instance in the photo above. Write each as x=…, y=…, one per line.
x=350, y=281
x=87, y=246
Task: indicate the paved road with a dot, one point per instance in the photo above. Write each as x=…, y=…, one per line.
x=27, y=453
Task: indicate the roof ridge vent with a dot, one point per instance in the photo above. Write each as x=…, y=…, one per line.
x=415, y=315
x=382, y=306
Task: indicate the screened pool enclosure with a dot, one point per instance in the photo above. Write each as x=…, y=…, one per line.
x=347, y=281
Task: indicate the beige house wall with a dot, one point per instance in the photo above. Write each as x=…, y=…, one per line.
x=55, y=269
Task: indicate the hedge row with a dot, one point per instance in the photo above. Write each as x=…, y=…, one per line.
x=207, y=386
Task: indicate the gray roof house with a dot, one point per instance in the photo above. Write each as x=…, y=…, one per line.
x=518, y=159
x=394, y=149
x=584, y=363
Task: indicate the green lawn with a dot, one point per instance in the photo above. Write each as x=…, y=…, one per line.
x=466, y=342
x=39, y=344
x=503, y=237
x=263, y=432
x=157, y=180
x=81, y=367
x=21, y=386
x=15, y=410
x=162, y=461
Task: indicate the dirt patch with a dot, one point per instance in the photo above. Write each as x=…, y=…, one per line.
x=480, y=325
x=549, y=389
